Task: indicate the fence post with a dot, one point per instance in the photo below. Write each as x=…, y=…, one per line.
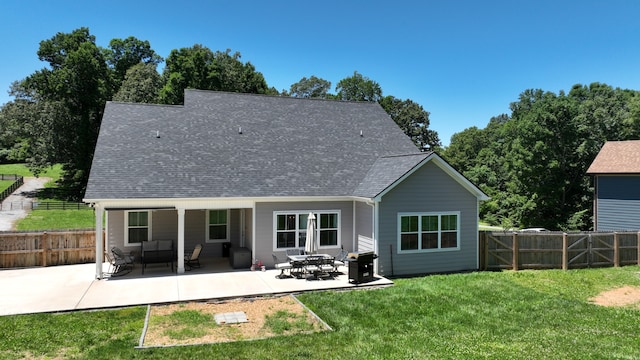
x=638, y=244
x=565, y=251
x=616, y=249
x=515, y=251
x=45, y=248
x=486, y=251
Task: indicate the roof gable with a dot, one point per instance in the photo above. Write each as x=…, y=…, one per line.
x=617, y=157
x=390, y=171
x=240, y=145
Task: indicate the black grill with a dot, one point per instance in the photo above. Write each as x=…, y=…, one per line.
x=361, y=266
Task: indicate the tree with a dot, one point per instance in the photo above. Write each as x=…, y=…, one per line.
x=413, y=120
x=123, y=54
x=533, y=163
x=141, y=84
x=312, y=87
x=60, y=107
x=198, y=67
x=358, y=88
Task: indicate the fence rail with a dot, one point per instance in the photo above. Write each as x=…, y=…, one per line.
x=512, y=250
x=43, y=205
x=59, y=205
x=28, y=249
x=19, y=180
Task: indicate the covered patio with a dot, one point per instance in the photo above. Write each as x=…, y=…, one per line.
x=74, y=287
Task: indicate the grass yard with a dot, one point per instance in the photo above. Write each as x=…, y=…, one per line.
x=48, y=219
x=57, y=220
x=489, y=315
x=53, y=172
x=4, y=184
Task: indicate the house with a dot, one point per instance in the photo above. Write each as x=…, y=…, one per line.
x=246, y=170
x=616, y=179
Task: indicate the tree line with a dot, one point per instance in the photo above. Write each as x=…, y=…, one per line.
x=533, y=162
x=56, y=112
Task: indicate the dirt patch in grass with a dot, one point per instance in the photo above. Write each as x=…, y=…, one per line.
x=194, y=323
x=624, y=296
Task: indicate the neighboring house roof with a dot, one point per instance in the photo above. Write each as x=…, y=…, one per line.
x=617, y=157
x=225, y=145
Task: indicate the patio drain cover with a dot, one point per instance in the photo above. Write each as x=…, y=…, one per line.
x=231, y=318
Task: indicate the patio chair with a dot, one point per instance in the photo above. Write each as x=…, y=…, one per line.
x=120, y=255
x=192, y=259
x=312, y=265
x=282, y=266
x=327, y=266
x=340, y=259
x=118, y=267
x=294, y=252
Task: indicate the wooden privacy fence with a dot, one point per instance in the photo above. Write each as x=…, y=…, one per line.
x=26, y=249
x=555, y=250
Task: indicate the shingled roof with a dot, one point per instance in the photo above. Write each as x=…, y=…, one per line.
x=617, y=157
x=224, y=145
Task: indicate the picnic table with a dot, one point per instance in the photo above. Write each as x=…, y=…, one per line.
x=315, y=265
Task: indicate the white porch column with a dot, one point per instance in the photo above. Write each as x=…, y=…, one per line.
x=99, y=211
x=181, y=241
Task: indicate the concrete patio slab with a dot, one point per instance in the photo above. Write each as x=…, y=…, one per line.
x=73, y=287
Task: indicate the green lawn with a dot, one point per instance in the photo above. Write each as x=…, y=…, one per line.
x=48, y=219
x=4, y=184
x=488, y=315
x=57, y=219
x=53, y=172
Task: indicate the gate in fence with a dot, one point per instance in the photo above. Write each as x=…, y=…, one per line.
x=546, y=250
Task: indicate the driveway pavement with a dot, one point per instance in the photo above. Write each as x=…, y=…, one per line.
x=13, y=208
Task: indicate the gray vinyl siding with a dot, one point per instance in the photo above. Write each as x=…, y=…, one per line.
x=264, y=225
x=618, y=203
x=429, y=189
x=364, y=222
x=164, y=226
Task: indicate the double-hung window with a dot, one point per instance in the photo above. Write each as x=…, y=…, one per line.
x=290, y=228
x=217, y=226
x=428, y=231
x=138, y=227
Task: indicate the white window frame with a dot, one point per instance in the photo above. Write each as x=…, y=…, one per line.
x=207, y=225
x=439, y=232
x=126, y=226
x=298, y=231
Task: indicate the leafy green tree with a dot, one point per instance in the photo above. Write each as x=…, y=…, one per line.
x=358, y=88
x=313, y=87
x=198, y=67
x=141, y=84
x=413, y=120
x=74, y=89
x=533, y=163
x=123, y=54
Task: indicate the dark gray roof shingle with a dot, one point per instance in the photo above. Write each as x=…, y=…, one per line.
x=288, y=147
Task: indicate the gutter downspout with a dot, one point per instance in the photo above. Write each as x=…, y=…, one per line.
x=478, y=235
x=353, y=227
x=376, y=228
x=99, y=210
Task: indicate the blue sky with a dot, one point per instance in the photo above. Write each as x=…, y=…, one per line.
x=464, y=61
